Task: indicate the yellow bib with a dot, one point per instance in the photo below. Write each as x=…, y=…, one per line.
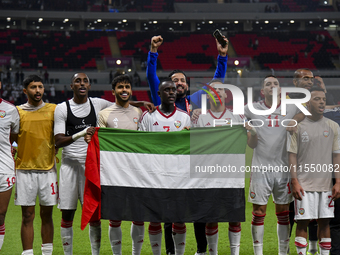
x=36, y=139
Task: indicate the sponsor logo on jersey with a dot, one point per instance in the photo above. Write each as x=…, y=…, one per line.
x=252, y=195
x=325, y=133
x=208, y=124
x=177, y=124
x=305, y=137
x=135, y=120
x=301, y=211
x=155, y=124
x=2, y=114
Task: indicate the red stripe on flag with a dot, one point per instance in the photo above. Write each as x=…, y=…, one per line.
x=92, y=192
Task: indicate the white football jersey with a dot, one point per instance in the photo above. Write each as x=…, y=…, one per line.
x=271, y=133
x=215, y=119
x=159, y=122
x=9, y=124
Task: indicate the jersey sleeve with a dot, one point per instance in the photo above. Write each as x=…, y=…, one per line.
x=247, y=112
x=187, y=122
x=103, y=103
x=142, y=124
x=221, y=68
x=292, y=145
x=152, y=78
x=15, y=124
x=336, y=141
x=60, y=117
x=100, y=120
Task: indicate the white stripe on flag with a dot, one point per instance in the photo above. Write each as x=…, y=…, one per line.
x=166, y=171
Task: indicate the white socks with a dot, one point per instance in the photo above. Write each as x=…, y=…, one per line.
x=115, y=236
x=137, y=236
x=47, y=248
x=95, y=233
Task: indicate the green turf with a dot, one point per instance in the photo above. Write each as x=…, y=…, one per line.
x=81, y=243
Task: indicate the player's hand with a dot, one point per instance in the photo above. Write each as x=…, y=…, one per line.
x=292, y=127
x=156, y=41
x=222, y=51
x=149, y=106
x=336, y=191
x=251, y=129
x=247, y=126
x=319, y=82
x=87, y=138
x=195, y=114
x=56, y=151
x=89, y=133
x=187, y=128
x=297, y=190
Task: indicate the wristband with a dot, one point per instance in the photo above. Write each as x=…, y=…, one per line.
x=82, y=133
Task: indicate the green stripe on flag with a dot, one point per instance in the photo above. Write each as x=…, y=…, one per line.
x=216, y=140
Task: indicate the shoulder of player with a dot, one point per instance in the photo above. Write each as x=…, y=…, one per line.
x=334, y=125
x=134, y=108
x=182, y=112
x=145, y=115
x=98, y=100
x=50, y=105
x=237, y=116
x=8, y=104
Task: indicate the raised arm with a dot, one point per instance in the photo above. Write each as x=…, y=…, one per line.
x=151, y=69
x=220, y=72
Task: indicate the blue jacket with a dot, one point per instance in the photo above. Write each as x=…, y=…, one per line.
x=195, y=98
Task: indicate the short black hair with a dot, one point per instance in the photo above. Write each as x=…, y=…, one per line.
x=297, y=72
x=32, y=78
x=267, y=76
x=73, y=76
x=177, y=71
x=164, y=80
x=123, y=78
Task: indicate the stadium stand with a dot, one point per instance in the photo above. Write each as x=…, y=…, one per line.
x=55, y=50
x=276, y=50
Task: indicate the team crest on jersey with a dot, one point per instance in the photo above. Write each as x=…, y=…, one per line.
x=252, y=195
x=325, y=133
x=2, y=114
x=135, y=120
x=177, y=124
x=227, y=121
x=305, y=137
x=301, y=211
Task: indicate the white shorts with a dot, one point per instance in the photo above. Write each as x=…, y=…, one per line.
x=32, y=183
x=314, y=205
x=6, y=182
x=264, y=184
x=71, y=184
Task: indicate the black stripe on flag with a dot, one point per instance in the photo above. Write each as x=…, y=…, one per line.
x=173, y=205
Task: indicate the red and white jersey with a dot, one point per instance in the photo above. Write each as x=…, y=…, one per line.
x=208, y=120
x=9, y=124
x=159, y=122
x=272, y=135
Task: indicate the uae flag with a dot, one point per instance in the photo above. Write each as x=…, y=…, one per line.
x=186, y=176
